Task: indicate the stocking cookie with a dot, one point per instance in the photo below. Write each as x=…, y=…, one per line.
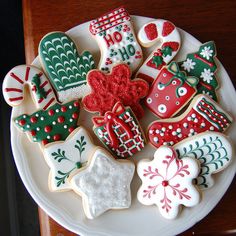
x=108, y=89
x=116, y=39
x=202, y=64
x=66, y=69
x=152, y=33
x=120, y=131
x=65, y=157
x=202, y=115
x=104, y=184
x=213, y=150
x=17, y=78
x=170, y=92
x=167, y=182
x=53, y=124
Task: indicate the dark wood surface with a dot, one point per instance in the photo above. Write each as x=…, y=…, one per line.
x=206, y=20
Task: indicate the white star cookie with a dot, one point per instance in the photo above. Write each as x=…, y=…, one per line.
x=104, y=184
x=65, y=157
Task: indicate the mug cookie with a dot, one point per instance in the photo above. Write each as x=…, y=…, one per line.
x=153, y=33
x=17, y=78
x=66, y=69
x=119, y=131
x=167, y=182
x=203, y=114
x=170, y=91
x=115, y=36
x=104, y=184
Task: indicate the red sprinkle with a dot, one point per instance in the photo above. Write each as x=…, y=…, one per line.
x=48, y=129
x=75, y=115
x=44, y=142
x=76, y=104
x=61, y=119
x=63, y=108
x=33, y=119
x=71, y=129
x=22, y=122
x=33, y=132
x=56, y=137
x=51, y=112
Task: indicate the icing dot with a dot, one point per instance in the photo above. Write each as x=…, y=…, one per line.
x=151, y=131
x=162, y=108
x=44, y=142
x=71, y=129
x=177, y=103
x=63, y=108
x=156, y=95
x=35, y=139
x=71, y=120
x=16, y=121
x=48, y=137
x=57, y=110
x=37, y=115
x=41, y=118
x=37, y=128
x=155, y=139
x=56, y=137
x=22, y=122
x=51, y=112
x=165, y=183
x=27, y=126
x=75, y=115
x=61, y=119
x=33, y=119
x=164, y=74
x=65, y=126
x=157, y=131
x=167, y=98
x=162, y=134
x=109, y=117
x=174, y=82
x=33, y=132
x=170, y=127
x=178, y=130
x=48, y=129
x=193, y=115
x=149, y=100
x=163, y=129
x=185, y=125
x=160, y=86
x=76, y=104
x=191, y=130
x=182, y=91
x=189, y=118
x=212, y=128
x=54, y=122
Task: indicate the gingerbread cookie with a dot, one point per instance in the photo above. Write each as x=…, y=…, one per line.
x=104, y=184
x=202, y=64
x=120, y=131
x=213, y=150
x=167, y=182
x=202, y=115
x=153, y=33
x=65, y=157
x=115, y=36
x=17, y=78
x=108, y=89
x=170, y=91
x=53, y=124
x=66, y=69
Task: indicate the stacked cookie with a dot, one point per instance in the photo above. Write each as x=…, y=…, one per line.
x=182, y=95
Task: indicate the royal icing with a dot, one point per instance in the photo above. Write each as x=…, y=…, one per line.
x=53, y=124
x=167, y=182
x=202, y=115
x=202, y=64
x=64, y=158
x=17, y=78
x=120, y=131
x=108, y=89
x=66, y=69
x=104, y=184
x=153, y=33
x=170, y=92
x=116, y=38
x=213, y=150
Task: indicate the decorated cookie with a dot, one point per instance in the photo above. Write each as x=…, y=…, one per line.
x=16, y=80
x=202, y=115
x=108, y=89
x=117, y=41
x=120, y=131
x=104, y=184
x=202, y=64
x=66, y=69
x=65, y=157
x=213, y=150
x=53, y=124
x=171, y=91
x=167, y=182
x=153, y=33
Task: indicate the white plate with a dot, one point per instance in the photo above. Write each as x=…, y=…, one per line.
x=66, y=207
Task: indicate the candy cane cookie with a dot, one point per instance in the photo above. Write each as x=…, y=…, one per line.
x=41, y=91
x=152, y=33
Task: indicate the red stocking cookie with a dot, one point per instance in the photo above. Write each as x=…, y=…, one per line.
x=202, y=115
x=120, y=131
x=171, y=91
x=107, y=89
x=154, y=32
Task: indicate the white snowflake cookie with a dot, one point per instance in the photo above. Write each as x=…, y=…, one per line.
x=104, y=184
x=167, y=182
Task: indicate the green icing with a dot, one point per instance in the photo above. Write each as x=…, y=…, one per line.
x=80, y=145
x=167, y=51
x=40, y=92
x=66, y=68
x=157, y=60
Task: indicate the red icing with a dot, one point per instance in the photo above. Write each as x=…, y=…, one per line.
x=107, y=89
x=76, y=104
x=61, y=119
x=48, y=129
x=33, y=132
x=33, y=119
x=173, y=45
x=145, y=77
x=151, y=31
x=22, y=122
x=63, y=108
x=56, y=137
x=75, y=115
x=44, y=142
x=71, y=129
x=168, y=27
x=51, y=112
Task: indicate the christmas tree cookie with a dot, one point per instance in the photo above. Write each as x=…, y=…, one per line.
x=66, y=68
x=202, y=64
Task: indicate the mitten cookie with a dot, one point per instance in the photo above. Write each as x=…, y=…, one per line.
x=202, y=115
x=167, y=182
x=116, y=39
x=120, y=131
x=166, y=36
x=66, y=69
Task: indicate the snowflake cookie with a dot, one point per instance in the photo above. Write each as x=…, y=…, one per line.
x=167, y=182
x=104, y=184
x=65, y=157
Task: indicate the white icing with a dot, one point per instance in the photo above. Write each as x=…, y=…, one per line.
x=162, y=108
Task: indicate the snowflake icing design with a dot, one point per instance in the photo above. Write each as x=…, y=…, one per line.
x=167, y=182
x=206, y=75
x=188, y=65
x=207, y=52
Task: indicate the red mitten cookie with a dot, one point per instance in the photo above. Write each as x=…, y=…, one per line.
x=108, y=89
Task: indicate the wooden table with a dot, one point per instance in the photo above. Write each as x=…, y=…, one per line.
x=206, y=20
